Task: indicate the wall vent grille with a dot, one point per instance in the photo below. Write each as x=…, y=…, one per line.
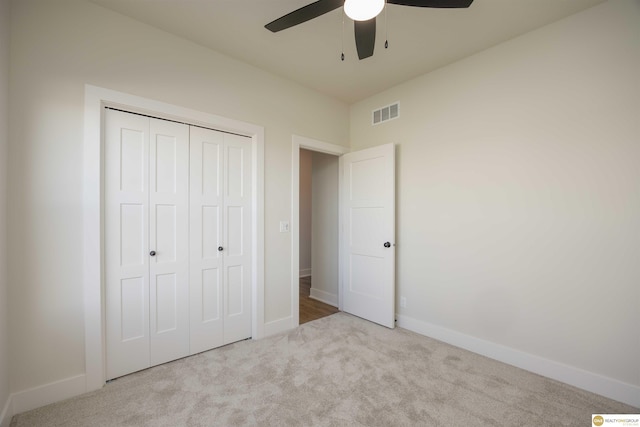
x=385, y=114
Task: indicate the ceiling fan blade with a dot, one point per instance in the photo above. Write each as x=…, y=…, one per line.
x=433, y=3
x=365, y=32
x=304, y=14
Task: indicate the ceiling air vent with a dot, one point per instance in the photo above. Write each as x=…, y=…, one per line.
x=387, y=113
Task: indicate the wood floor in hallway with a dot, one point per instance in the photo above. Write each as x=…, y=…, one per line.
x=311, y=309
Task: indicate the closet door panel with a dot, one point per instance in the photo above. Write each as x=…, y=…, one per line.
x=126, y=237
x=166, y=157
x=169, y=238
x=237, y=236
x=205, y=269
x=235, y=291
x=166, y=235
x=132, y=235
x=133, y=308
x=210, y=236
x=210, y=296
x=235, y=231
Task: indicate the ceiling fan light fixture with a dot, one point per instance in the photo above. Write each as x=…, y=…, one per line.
x=363, y=10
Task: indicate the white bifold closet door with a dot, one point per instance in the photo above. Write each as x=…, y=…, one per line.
x=146, y=241
x=220, y=238
x=177, y=240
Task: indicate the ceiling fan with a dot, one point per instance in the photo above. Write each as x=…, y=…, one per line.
x=363, y=13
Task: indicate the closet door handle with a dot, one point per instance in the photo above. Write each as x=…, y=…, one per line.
x=387, y=244
x=220, y=248
x=152, y=253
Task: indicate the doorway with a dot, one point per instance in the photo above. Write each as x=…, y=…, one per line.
x=324, y=287
x=366, y=224
x=318, y=214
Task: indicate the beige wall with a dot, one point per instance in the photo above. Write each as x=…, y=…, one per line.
x=324, y=248
x=517, y=179
x=58, y=47
x=4, y=146
x=518, y=192
x=305, y=210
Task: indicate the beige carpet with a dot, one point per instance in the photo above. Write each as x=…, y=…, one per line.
x=336, y=371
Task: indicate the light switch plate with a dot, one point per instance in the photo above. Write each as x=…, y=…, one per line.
x=284, y=226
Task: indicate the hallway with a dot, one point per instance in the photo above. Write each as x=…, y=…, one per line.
x=311, y=309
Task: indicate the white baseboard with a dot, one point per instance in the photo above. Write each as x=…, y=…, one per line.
x=595, y=383
x=305, y=272
x=49, y=393
x=325, y=297
x=277, y=326
x=7, y=413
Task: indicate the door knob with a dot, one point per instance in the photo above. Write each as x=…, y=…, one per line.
x=220, y=248
x=152, y=253
x=387, y=244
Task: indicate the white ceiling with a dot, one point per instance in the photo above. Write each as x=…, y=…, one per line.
x=420, y=39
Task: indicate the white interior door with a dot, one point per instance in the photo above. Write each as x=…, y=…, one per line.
x=126, y=242
x=236, y=242
x=206, y=206
x=368, y=237
x=169, y=239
